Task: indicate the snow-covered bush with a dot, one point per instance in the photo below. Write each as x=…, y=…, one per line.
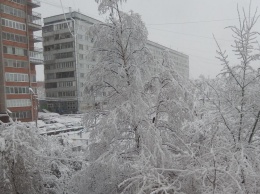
x=20, y=165
x=32, y=163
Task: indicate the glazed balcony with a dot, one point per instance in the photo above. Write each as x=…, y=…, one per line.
x=36, y=49
x=34, y=21
x=36, y=56
x=35, y=39
x=34, y=3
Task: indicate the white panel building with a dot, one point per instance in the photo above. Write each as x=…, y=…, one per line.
x=66, y=60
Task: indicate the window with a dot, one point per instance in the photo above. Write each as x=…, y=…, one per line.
x=64, y=55
x=15, y=51
x=51, y=94
x=14, y=77
x=33, y=78
x=49, y=48
x=51, y=85
x=48, y=28
x=71, y=105
x=14, y=37
x=66, y=45
x=62, y=36
x=63, y=25
x=80, y=56
x=13, y=24
x=62, y=65
x=12, y=11
x=46, y=39
x=18, y=103
x=17, y=90
x=49, y=66
x=50, y=76
x=66, y=93
x=80, y=46
x=82, y=75
x=49, y=105
x=21, y=115
x=19, y=1
x=59, y=46
x=48, y=57
x=65, y=74
x=15, y=63
x=66, y=84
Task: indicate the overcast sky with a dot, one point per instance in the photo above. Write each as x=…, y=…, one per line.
x=183, y=25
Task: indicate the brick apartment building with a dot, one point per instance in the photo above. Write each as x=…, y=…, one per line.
x=18, y=58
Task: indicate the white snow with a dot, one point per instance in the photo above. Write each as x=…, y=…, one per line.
x=2, y=144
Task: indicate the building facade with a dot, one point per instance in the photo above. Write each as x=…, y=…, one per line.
x=66, y=60
x=19, y=57
x=180, y=60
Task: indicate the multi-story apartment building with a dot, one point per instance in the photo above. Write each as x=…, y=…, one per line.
x=180, y=60
x=19, y=57
x=66, y=62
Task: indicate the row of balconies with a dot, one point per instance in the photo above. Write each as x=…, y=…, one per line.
x=35, y=24
x=36, y=54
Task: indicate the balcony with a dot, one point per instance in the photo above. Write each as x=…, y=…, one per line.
x=36, y=49
x=34, y=3
x=36, y=56
x=35, y=39
x=34, y=21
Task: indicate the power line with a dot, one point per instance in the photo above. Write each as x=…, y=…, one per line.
x=55, y=5
x=208, y=60
x=195, y=22
x=185, y=34
x=65, y=18
x=67, y=8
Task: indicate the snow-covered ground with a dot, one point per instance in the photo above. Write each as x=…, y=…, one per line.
x=63, y=125
x=67, y=120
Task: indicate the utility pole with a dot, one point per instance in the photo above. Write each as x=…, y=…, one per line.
x=35, y=104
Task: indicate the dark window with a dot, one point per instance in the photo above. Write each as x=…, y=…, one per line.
x=65, y=74
x=51, y=85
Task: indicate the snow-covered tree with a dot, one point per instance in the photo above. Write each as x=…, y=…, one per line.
x=118, y=77
x=226, y=154
x=147, y=104
x=219, y=151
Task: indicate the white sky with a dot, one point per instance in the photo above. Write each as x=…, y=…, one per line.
x=183, y=25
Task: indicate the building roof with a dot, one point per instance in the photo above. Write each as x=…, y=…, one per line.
x=149, y=42
x=74, y=15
